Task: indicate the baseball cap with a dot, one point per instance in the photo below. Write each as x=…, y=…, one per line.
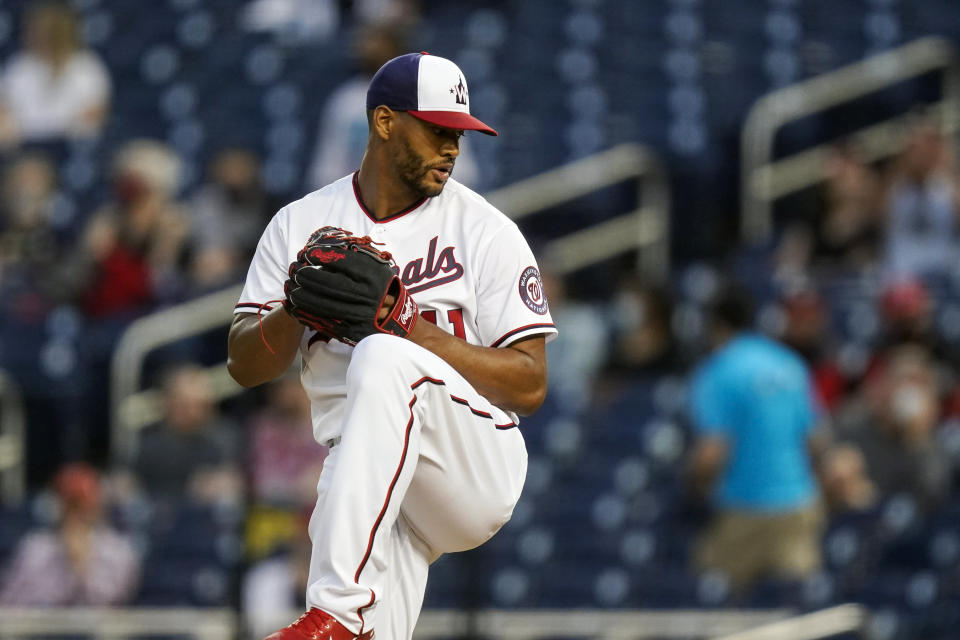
x=427, y=87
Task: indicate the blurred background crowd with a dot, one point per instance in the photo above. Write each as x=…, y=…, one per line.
x=772, y=425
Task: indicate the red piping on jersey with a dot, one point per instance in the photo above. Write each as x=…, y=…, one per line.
x=389, y=218
x=427, y=379
x=459, y=400
x=256, y=305
x=403, y=458
x=373, y=596
x=545, y=325
x=476, y=412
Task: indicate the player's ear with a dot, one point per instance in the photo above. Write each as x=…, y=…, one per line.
x=382, y=122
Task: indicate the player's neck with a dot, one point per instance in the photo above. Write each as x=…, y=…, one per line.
x=380, y=194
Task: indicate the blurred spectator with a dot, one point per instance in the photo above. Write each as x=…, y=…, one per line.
x=285, y=460
x=55, y=88
x=922, y=206
x=844, y=228
x=82, y=562
x=845, y=482
x=575, y=356
x=193, y=451
x=643, y=340
x=806, y=330
x=398, y=12
x=275, y=585
x=135, y=246
x=293, y=22
x=342, y=130
x=907, y=314
x=754, y=412
x=893, y=422
x=284, y=463
x=848, y=233
x=30, y=259
x=229, y=213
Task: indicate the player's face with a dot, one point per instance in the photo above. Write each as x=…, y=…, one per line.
x=425, y=154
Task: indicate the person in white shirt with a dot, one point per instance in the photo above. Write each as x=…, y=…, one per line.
x=55, y=88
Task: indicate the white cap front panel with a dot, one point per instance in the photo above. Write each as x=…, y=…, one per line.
x=441, y=86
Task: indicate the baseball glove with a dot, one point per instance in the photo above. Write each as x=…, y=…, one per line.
x=339, y=284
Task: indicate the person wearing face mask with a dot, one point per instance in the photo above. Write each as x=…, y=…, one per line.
x=134, y=247
x=895, y=427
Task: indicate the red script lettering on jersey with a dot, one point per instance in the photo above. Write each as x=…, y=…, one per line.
x=418, y=270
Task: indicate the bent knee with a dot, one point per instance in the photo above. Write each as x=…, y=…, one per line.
x=379, y=345
x=463, y=527
x=378, y=354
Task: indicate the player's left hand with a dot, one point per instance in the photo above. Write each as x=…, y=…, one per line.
x=344, y=287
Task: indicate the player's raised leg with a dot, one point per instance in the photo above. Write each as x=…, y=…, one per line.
x=387, y=461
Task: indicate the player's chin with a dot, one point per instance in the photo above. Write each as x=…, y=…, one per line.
x=431, y=188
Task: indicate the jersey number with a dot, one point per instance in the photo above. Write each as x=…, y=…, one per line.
x=454, y=316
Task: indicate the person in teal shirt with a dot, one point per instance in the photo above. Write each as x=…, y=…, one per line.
x=755, y=417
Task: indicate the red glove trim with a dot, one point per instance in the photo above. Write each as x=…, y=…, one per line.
x=403, y=316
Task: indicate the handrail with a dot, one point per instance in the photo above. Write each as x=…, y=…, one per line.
x=534, y=624
x=598, y=624
x=812, y=626
x=222, y=624
x=146, y=334
x=806, y=168
x=802, y=99
x=531, y=624
x=12, y=444
x=115, y=624
x=646, y=228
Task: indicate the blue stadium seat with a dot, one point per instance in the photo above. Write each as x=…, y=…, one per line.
x=15, y=521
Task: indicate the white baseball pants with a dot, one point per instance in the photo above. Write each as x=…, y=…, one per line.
x=424, y=466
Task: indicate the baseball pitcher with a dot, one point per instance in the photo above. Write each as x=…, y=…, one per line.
x=420, y=319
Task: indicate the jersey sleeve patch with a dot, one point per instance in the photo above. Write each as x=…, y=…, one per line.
x=531, y=291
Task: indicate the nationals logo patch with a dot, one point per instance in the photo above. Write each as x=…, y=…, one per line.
x=531, y=291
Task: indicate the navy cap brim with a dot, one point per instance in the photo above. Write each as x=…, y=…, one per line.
x=454, y=120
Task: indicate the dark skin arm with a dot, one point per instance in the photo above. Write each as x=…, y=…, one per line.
x=706, y=462
x=249, y=361
x=513, y=378
x=711, y=454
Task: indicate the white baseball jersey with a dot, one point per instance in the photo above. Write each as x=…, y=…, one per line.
x=464, y=262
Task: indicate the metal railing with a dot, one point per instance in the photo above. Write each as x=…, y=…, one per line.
x=132, y=408
x=117, y=624
x=645, y=229
x=811, y=626
x=224, y=624
x=763, y=179
x=12, y=446
x=591, y=623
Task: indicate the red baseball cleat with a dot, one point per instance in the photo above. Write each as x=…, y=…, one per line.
x=317, y=625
